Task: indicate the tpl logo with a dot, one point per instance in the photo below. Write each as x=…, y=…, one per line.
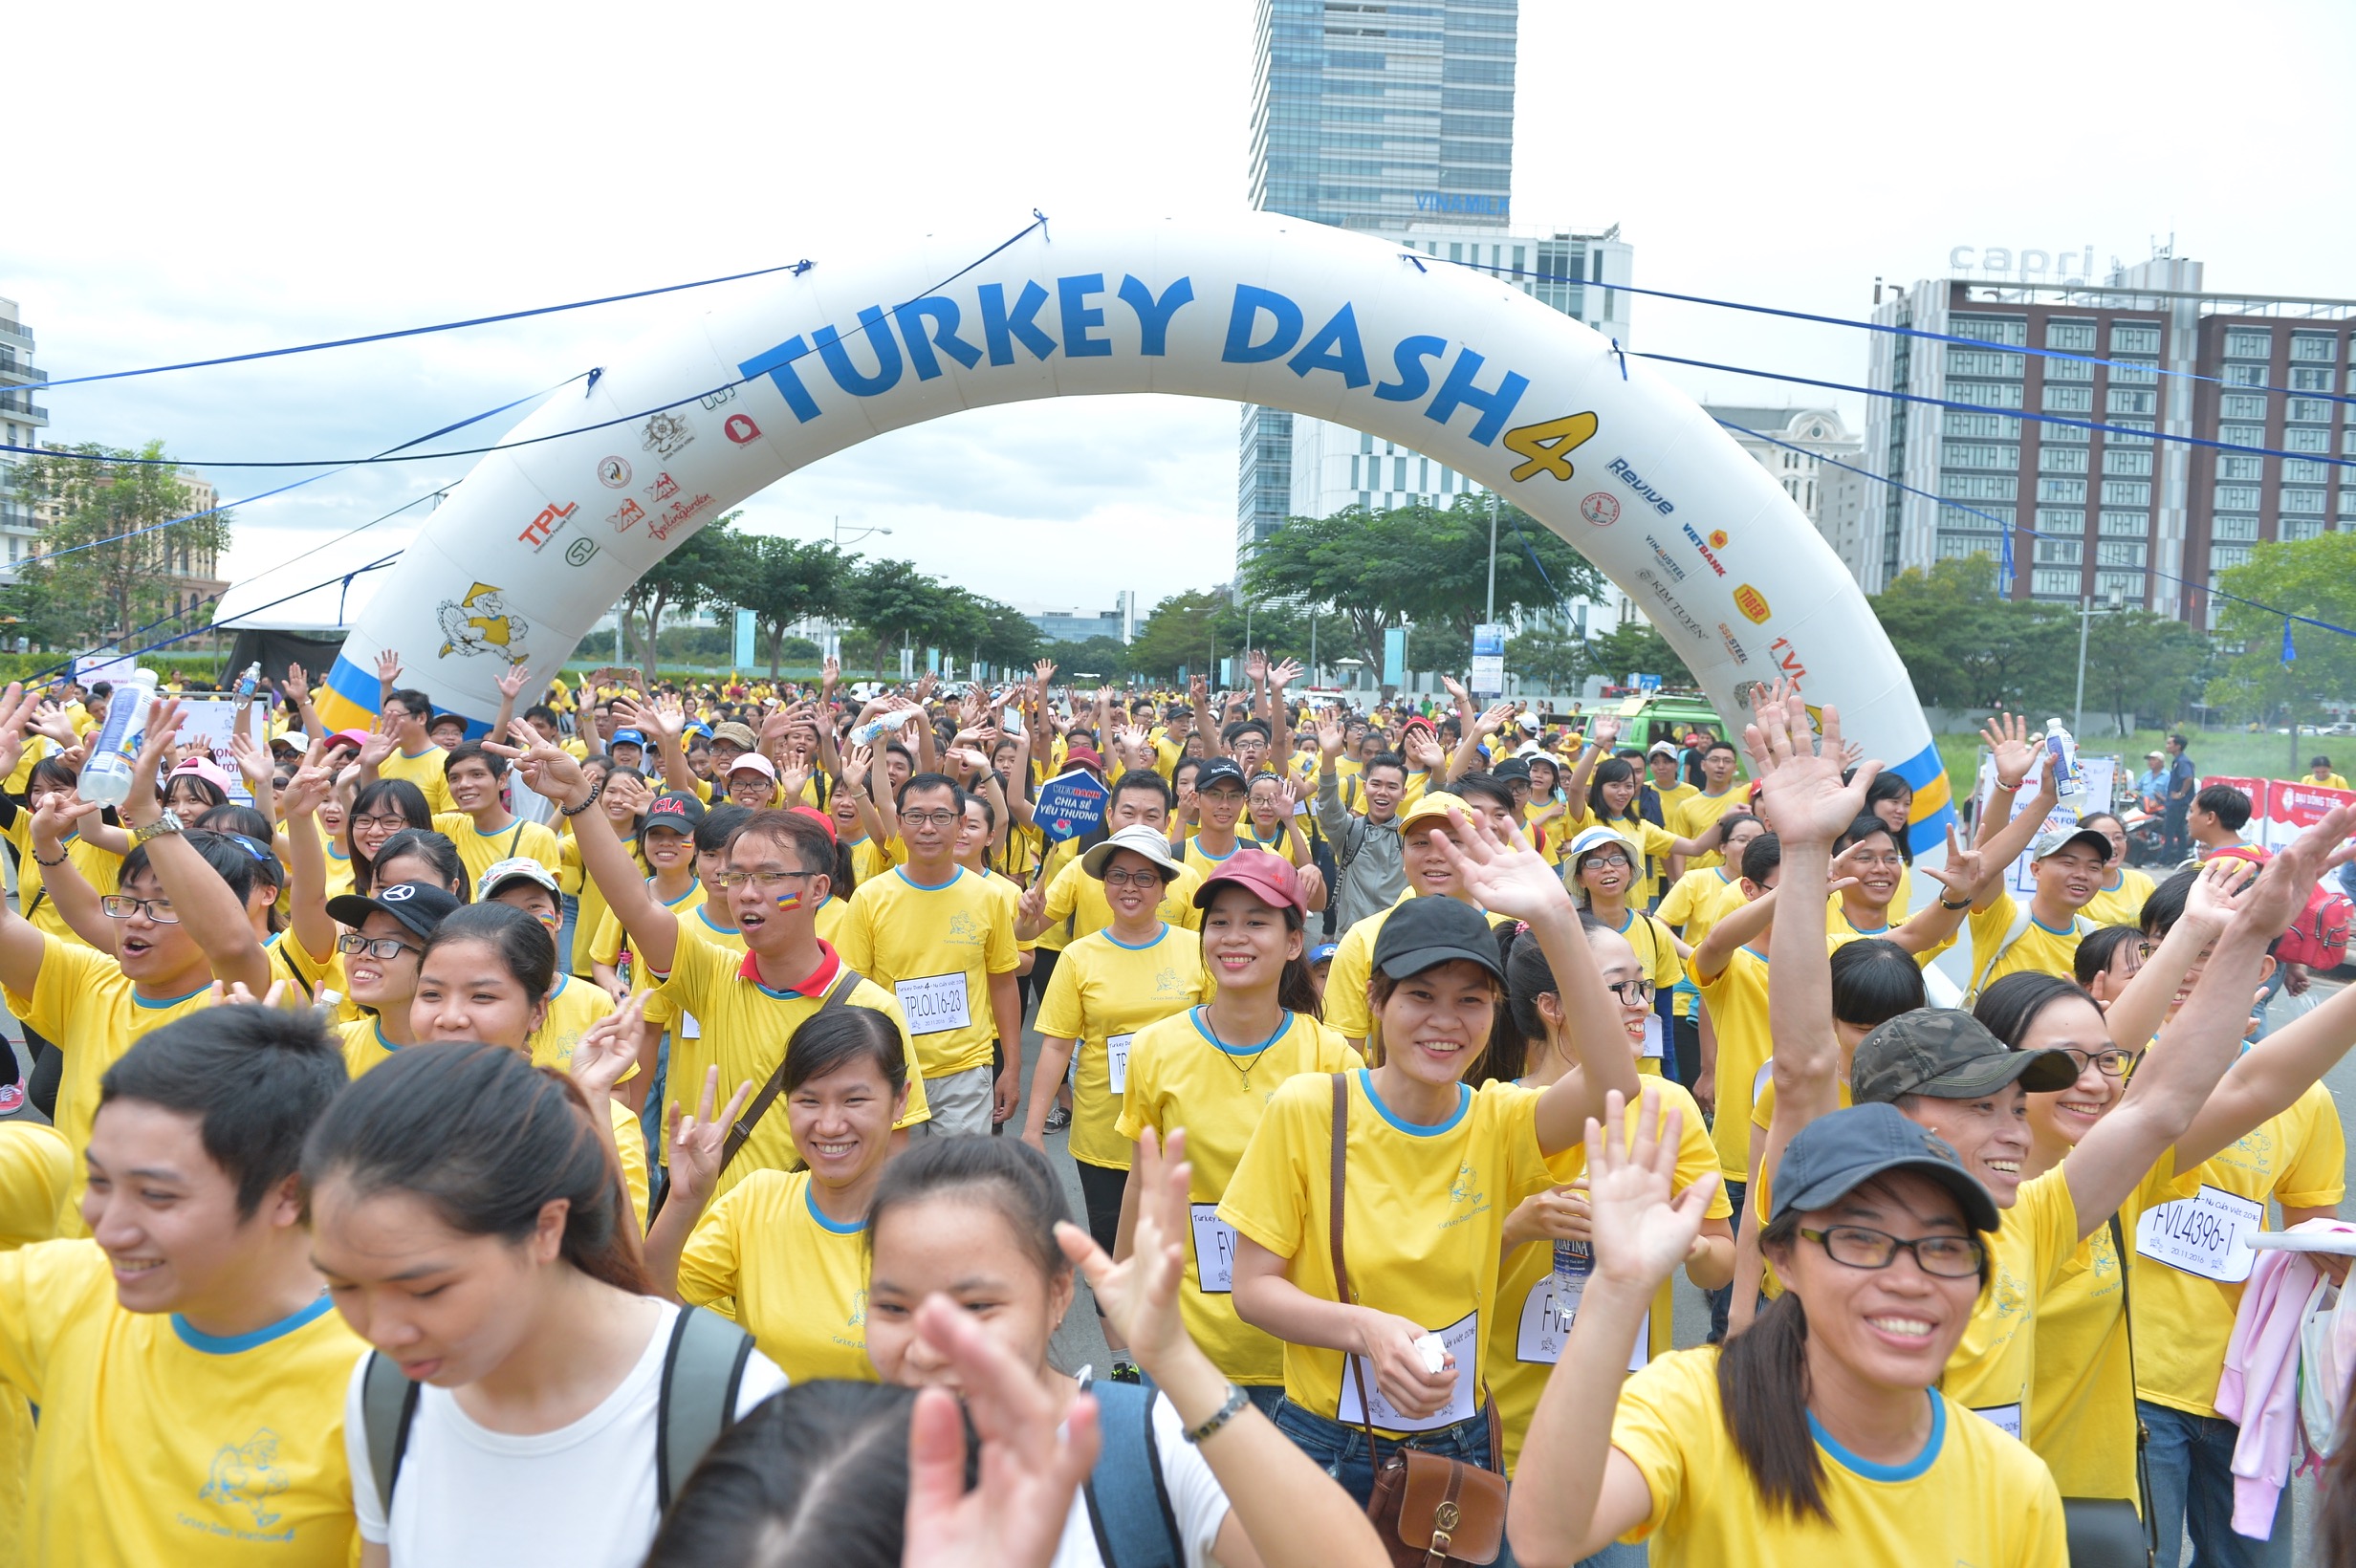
x=541, y=528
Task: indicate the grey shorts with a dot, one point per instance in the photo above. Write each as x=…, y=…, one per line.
x=960, y=1103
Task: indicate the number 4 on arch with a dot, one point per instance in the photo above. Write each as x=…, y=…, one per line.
x=1548, y=446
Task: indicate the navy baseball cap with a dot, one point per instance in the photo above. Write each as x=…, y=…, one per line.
x=1835, y=1155
x=1219, y=771
x=419, y=905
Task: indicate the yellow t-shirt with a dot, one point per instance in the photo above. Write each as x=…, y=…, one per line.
x=479, y=851
x=2183, y=1320
x=1102, y=994
x=2040, y=950
x=794, y=1280
x=870, y=860
x=423, y=769
x=1346, y=1008
x=749, y=1025
x=1698, y=814
x=365, y=1045
x=2329, y=781
x=1206, y=866
x=589, y=918
x=85, y=1004
x=573, y=1006
x=1425, y=1209
x=1972, y=1497
x=691, y=1051
x=935, y=949
x=162, y=1444
x=340, y=871
x=1737, y=998
x=2121, y=899
x=1698, y=901
x=1076, y=903
x=99, y=868
x=1525, y=1335
x=1180, y=1075
x=1657, y=952
x=1992, y=1370
x=1840, y=930
x=36, y=1173
x=1058, y=935
x=608, y=940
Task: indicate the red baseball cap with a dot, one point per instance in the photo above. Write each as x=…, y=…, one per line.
x=1268, y=877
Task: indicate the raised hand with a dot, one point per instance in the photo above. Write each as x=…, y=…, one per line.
x=142, y=806
x=608, y=1048
x=236, y=994
x=548, y=769
x=1642, y=1233
x=1493, y=718
x=1503, y=874
x=1032, y=905
x=56, y=816
x=1801, y=786
x=2007, y=736
x=696, y=1142
x=830, y=676
x=1285, y=674
x=2290, y=876
x=1138, y=1294
x=1963, y=873
x=2212, y=899
x=389, y=666
x=306, y=790
x=510, y=681
x=668, y=717
x=1329, y=735
x=383, y=737
x=49, y=720
x=254, y=760
x=1456, y=688
x=298, y=682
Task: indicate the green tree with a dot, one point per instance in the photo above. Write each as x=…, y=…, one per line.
x=895, y=604
x=2143, y=668
x=1550, y=656
x=1637, y=649
x=1097, y=658
x=786, y=581
x=700, y=572
x=1009, y=639
x=1195, y=630
x=1374, y=569
x=2314, y=577
x=1965, y=645
x=83, y=589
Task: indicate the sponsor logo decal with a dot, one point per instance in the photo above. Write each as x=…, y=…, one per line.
x=627, y=517
x=741, y=430
x=1635, y=481
x=1752, y=604
x=1734, y=643
x=541, y=528
x=579, y=553
x=1600, y=509
x=667, y=434
x=664, y=488
x=1662, y=557
x=481, y=623
x=614, y=472
x=1709, y=555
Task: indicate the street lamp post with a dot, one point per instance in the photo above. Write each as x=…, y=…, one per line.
x=1491, y=615
x=2086, y=612
x=833, y=635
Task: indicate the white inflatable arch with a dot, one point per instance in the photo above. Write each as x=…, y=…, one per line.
x=540, y=539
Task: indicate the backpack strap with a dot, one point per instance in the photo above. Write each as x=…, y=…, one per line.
x=703, y=1373
x=2013, y=933
x=1134, y=1529
x=388, y=1406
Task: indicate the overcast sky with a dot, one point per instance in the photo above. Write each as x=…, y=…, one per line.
x=194, y=181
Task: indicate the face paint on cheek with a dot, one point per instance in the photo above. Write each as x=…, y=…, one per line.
x=787, y=900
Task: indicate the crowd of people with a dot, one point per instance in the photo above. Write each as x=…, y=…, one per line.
x=606, y=1138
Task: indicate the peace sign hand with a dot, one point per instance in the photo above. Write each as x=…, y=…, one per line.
x=697, y=1141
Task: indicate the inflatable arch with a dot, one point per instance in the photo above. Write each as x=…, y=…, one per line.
x=541, y=538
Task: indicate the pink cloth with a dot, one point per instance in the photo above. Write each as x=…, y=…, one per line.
x=2259, y=1387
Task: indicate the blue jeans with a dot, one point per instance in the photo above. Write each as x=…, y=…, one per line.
x=569, y=907
x=2190, y=1458
x=1722, y=1300
x=1342, y=1451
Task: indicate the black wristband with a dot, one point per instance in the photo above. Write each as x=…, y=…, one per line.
x=595, y=789
x=37, y=861
x=1965, y=905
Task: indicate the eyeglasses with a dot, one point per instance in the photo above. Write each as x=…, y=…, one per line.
x=1132, y=878
x=940, y=819
x=1855, y=1247
x=2111, y=1063
x=379, y=948
x=122, y=906
x=761, y=878
x=1631, y=992
x=1606, y=858
x=390, y=824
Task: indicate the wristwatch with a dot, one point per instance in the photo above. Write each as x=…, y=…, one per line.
x=168, y=822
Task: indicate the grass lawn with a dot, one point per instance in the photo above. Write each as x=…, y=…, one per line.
x=2230, y=753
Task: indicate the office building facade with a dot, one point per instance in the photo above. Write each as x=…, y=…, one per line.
x=2116, y=514
x=22, y=421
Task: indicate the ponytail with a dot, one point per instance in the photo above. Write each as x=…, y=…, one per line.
x=487, y=1141
x=1763, y=1393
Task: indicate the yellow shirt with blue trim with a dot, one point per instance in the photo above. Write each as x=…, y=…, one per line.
x=1102, y=994
x=479, y=851
x=794, y=1280
x=935, y=948
x=1425, y=1207
x=1737, y=996
x=425, y=770
x=1180, y=1075
x=159, y=1444
x=99, y=868
x=573, y=1008
x=2041, y=949
x=36, y=1174
x=2120, y=901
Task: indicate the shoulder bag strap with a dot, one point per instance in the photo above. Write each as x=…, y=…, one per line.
x=742, y=1127
x=2019, y=928
x=1341, y=1269
x=703, y=1373
x=388, y=1404
x=515, y=839
x=2143, y=1436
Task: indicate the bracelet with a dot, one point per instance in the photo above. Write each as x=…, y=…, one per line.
x=37, y=861
x=595, y=789
x=1965, y=905
x=1227, y=1412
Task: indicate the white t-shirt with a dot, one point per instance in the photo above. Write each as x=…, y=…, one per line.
x=581, y=1496
x=1196, y=1500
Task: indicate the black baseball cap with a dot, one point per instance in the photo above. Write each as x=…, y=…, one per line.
x=1220, y=771
x=1946, y=1054
x=1424, y=932
x=1511, y=769
x=677, y=811
x=1835, y=1155
x=419, y=905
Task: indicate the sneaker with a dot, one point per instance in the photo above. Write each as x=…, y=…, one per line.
x=1058, y=1119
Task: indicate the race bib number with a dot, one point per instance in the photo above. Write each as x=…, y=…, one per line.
x=2206, y=1235
x=1215, y=1250
x=1546, y=1317
x=1117, y=1062
x=935, y=1004
x=1652, y=1037
x=688, y=1028
x=2004, y=1418
x=1462, y=1339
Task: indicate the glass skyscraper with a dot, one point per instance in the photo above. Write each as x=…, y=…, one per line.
x=1374, y=117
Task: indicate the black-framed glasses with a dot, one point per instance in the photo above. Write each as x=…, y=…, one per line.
x=2114, y=1062
x=939, y=818
x=381, y=949
x=1132, y=878
x=761, y=878
x=1856, y=1247
x=1631, y=992
x=123, y=906
x=390, y=824
x=1603, y=858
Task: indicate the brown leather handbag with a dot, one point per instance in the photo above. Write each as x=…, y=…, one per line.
x=1429, y=1511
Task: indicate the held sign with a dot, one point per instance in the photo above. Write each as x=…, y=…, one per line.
x=1069, y=806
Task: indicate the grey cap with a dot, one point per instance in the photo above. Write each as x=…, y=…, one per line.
x=1834, y=1155
x=1946, y=1054
x=2054, y=840
x=1137, y=839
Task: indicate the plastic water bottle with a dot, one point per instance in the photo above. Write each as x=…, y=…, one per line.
x=2062, y=752
x=866, y=734
x=106, y=776
x=250, y=681
x=1574, y=1260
